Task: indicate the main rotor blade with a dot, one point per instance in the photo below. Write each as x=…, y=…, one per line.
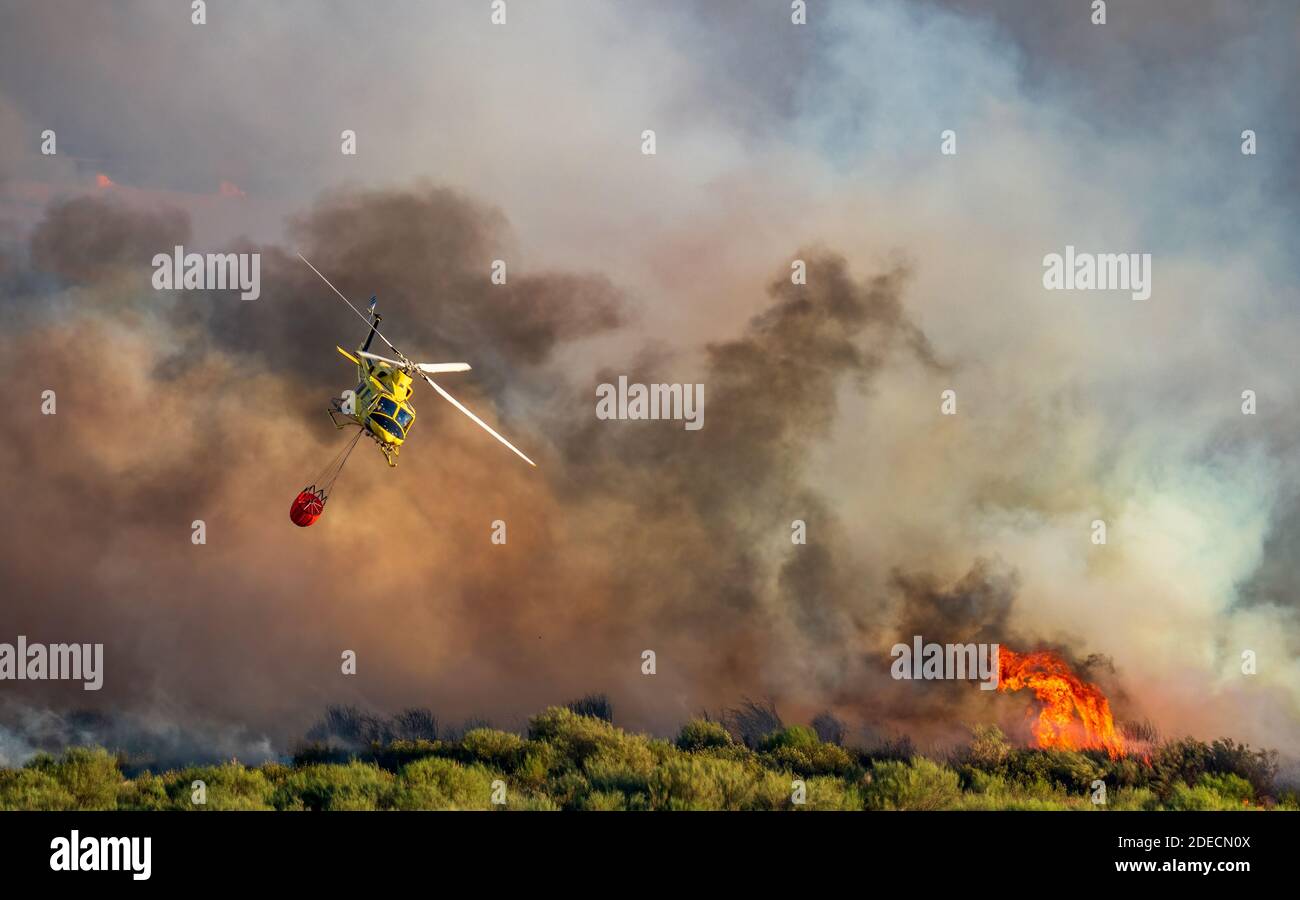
x=435, y=368
x=383, y=359
x=484, y=425
x=359, y=313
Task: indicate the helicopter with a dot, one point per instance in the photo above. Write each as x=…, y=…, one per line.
x=379, y=407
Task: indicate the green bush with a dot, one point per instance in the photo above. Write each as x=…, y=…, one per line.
x=575, y=737
x=352, y=786
x=228, y=786
x=1222, y=792
x=568, y=789
x=1231, y=787
x=1178, y=762
x=90, y=774
x=499, y=749
x=435, y=783
x=696, y=782
x=539, y=761
x=583, y=762
x=33, y=789
x=702, y=734
x=1129, y=799
x=988, y=749
x=528, y=802
x=828, y=793
x=146, y=791
x=1259, y=767
x=919, y=784
x=626, y=768
x=604, y=801
x=818, y=759
x=1069, y=769
x=799, y=737
x=400, y=753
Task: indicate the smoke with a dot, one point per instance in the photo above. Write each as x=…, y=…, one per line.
x=189, y=406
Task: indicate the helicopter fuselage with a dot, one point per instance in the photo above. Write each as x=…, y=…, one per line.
x=380, y=404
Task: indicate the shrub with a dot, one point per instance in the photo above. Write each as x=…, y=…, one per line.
x=1182, y=761
x=1130, y=798
x=700, y=782
x=919, y=784
x=568, y=789
x=320, y=753
x=539, y=761
x=400, y=753
x=146, y=791
x=435, y=783
x=604, y=801
x=988, y=748
x=1259, y=767
x=899, y=749
x=228, y=786
x=352, y=726
x=576, y=737
x=830, y=730
x=528, y=802
x=414, y=725
x=752, y=721
x=1234, y=789
x=702, y=734
x=90, y=775
x=1182, y=797
x=500, y=749
x=595, y=705
x=769, y=790
x=1070, y=769
x=826, y=793
x=817, y=759
x=626, y=768
x=354, y=786
x=33, y=789
x=796, y=736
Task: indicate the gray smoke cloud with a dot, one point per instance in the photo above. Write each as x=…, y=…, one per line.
x=220, y=430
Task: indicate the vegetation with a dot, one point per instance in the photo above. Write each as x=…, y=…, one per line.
x=574, y=758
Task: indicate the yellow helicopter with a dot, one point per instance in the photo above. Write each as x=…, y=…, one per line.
x=381, y=402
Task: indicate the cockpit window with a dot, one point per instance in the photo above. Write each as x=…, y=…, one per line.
x=388, y=425
x=404, y=418
x=387, y=407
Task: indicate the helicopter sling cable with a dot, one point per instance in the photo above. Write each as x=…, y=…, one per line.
x=310, y=503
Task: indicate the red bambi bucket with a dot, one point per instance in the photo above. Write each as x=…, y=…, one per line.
x=307, y=508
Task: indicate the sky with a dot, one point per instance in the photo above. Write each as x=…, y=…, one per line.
x=774, y=142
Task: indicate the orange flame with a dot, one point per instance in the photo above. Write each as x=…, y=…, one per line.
x=102, y=180
x=1064, y=696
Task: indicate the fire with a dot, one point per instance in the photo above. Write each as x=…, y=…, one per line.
x=1075, y=714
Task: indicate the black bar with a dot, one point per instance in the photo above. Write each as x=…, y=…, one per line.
x=326, y=850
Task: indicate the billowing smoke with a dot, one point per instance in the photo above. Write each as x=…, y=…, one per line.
x=632, y=535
